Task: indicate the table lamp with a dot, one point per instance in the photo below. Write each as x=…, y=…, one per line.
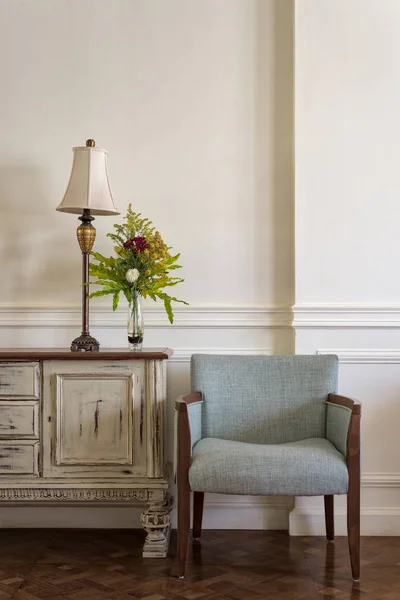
x=88, y=193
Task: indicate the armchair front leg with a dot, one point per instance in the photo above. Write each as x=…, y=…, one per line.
x=183, y=466
x=353, y=467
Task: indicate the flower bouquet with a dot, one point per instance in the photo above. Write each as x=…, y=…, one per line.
x=142, y=268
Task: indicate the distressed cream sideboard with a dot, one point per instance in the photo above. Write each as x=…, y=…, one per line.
x=86, y=427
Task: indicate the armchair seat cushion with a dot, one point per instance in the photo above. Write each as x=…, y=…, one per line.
x=310, y=467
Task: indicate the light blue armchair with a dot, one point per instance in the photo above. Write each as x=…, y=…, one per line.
x=267, y=426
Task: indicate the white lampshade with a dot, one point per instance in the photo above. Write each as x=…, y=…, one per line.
x=88, y=185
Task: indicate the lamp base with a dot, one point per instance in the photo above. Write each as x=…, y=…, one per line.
x=85, y=343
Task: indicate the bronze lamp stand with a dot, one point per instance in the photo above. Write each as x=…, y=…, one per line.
x=88, y=193
x=86, y=234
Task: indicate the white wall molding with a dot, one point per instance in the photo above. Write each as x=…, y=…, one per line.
x=326, y=316
x=371, y=356
x=188, y=317
x=381, y=480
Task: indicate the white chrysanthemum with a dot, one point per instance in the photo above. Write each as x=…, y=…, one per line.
x=132, y=275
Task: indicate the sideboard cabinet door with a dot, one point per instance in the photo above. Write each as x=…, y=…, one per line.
x=94, y=419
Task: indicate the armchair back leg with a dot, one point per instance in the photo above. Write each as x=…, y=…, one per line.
x=198, y=503
x=329, y=518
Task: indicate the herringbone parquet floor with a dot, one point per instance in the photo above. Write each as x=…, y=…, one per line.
x=230, y=565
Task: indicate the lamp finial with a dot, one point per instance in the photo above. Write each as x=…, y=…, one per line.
x=90, y=143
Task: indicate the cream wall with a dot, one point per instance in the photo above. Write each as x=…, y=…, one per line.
x=186, y=97
x=193, y=101
x=347, y=190
x=347, y=149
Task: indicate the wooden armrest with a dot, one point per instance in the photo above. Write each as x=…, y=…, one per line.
x=353, y=405
x=182, y=402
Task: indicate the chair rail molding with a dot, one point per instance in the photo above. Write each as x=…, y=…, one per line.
x=355, y=316
x=300, y=316
x=195, y=316
x=380, y=480
x=365, y=356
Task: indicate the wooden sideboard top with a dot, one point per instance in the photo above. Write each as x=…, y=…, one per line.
x=66, y=354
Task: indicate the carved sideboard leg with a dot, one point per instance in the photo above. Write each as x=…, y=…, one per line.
x=156, y=522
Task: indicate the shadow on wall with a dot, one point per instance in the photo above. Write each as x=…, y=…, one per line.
x=274, y=120
x=35, y=265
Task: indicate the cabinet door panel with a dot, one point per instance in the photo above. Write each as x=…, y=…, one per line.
x=93, y=419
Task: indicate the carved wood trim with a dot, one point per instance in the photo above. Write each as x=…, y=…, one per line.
x=72, y=494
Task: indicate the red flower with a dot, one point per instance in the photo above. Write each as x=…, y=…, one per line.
x=129, y=243
x=140, y=244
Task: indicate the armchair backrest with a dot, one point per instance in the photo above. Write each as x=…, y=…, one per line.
x=264, y=399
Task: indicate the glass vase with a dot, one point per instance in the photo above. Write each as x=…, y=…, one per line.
x=135, y=323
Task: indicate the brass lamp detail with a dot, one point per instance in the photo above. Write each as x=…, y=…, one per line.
x=86, y=233
x=89, y=193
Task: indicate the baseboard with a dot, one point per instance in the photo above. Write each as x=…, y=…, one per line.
x=246, y=516
x=266, y=514
x=262, y=515
x=374, y=521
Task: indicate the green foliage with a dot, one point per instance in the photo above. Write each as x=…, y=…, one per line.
x=141, y=252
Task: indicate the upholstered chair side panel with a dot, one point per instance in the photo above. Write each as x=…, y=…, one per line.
x=194, y=414
x=337, y=425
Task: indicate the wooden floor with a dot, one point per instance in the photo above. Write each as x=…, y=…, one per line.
x=234, y=565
